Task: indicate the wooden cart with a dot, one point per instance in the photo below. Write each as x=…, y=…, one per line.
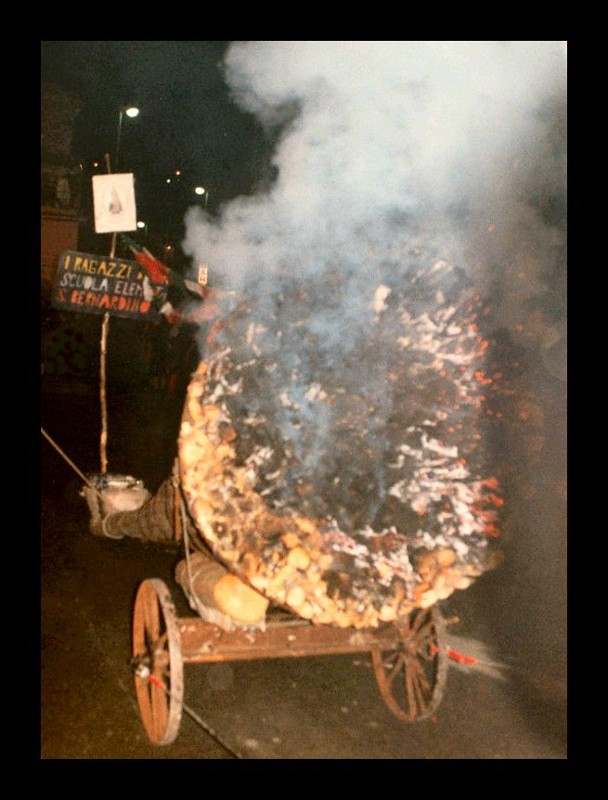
x=409, y=658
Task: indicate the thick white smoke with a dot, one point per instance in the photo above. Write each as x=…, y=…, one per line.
x=411, y=178
x=379, y=134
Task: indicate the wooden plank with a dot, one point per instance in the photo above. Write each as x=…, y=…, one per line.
x=205, y=643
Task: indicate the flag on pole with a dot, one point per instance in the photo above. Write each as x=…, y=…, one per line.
x=155, y=269
x=159, y=278
x=158, y=272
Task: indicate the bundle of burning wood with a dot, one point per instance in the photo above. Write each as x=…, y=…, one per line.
x=333, y=460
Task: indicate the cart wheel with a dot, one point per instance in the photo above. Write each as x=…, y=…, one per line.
x=412, y=678
x=157, y=661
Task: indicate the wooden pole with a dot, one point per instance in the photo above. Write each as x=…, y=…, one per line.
x=105, y=327
x=102, y=394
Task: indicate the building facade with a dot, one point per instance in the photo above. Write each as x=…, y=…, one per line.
x=60, y=181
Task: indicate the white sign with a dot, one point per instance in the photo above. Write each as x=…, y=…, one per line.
x=114, y=203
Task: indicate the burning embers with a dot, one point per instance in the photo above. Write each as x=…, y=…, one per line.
x=330, y=454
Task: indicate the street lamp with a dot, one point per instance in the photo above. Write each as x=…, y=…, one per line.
x=200, y=190
x=131, y=112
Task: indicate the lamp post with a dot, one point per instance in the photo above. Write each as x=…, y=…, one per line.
x=131, y=112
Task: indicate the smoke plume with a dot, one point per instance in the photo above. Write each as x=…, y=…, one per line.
x=417, y=210
x=417, y=186
x=384, y=142
x=391, y=158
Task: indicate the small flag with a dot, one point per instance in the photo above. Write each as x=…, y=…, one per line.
x=156, y=270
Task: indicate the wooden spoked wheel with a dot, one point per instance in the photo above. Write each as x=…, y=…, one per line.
x=157, y=662
x=412, y=677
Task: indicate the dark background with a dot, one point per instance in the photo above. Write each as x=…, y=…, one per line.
x=187, y=122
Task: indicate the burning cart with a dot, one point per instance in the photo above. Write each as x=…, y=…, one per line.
x=234, y=622
x=323, y=511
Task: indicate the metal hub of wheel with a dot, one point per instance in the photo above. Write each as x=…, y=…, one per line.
x=412, y=677
x=157, y=662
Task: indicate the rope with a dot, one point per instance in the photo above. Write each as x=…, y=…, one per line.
x=176, y=501
x=71, y=463
x=186, y=546
x=191, y=713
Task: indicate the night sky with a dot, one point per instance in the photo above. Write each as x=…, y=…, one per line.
x=187, y=122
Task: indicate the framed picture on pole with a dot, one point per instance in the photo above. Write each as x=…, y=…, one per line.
x=114, y=203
